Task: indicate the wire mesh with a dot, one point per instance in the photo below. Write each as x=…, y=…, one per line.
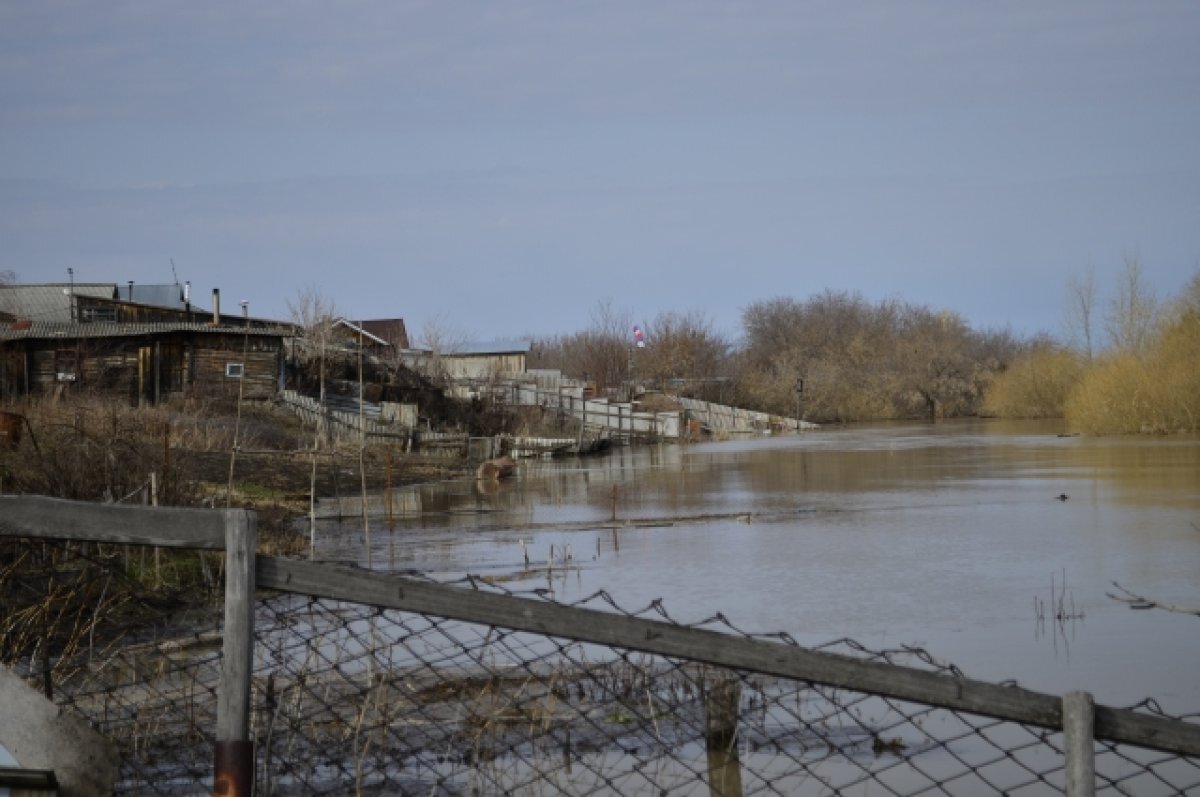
x=126, y=637
x=351, y=698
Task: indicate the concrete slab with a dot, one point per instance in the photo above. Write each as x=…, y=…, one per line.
x=40, y=735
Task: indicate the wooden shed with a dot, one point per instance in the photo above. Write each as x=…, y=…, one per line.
x=145, y=362
x=502, y=358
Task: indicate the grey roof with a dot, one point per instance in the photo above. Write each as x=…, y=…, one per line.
x=490, y=347
x=41, y=330
x=49, y=302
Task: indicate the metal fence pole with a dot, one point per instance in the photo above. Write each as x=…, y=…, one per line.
x=234, y=756
x=1079, y=713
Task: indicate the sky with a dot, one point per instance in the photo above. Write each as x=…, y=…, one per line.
x=501, y=169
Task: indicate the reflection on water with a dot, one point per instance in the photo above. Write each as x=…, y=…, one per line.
x=941, y=535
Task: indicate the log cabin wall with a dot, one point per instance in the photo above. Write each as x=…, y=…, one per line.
x=146, y=369
x=260, y=358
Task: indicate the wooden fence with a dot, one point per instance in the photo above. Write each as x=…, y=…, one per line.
x=234, y=531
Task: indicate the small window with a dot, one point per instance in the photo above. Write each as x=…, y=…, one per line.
x=234, y=370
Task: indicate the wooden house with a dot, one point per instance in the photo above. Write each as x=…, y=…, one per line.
x=61, y=342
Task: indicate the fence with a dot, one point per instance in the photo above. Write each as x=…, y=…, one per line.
x=344, y=423
x=618, y=418
x=365, y=682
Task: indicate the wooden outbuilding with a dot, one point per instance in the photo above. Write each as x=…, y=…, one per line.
x=144, y=362
x=143, y=342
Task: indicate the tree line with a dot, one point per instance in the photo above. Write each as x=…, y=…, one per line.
x=1131, y=365
x=1128, y=365
x=834, y=357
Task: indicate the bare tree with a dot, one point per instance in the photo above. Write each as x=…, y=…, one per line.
x=439, y=339
x=1188, y=300
x=316, y=315
x=600, y=353
x=862, y=360
x=1133, y=313
x=1081, y=307
x=682, y=346
x=7, y=277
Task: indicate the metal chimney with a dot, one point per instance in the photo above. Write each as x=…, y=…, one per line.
x=217, y=306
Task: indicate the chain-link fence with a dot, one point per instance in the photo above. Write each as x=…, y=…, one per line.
x=353, y=698
x=517, y=694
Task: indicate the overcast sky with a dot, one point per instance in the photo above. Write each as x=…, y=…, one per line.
x=503, y=167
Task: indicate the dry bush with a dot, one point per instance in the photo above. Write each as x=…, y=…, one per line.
x=98, y=449
x=93, y=450
x=1035, y=386
x=1155, y=393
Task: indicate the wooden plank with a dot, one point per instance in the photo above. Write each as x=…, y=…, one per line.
x=55, y=518
x=772, y=658
x=233, y=697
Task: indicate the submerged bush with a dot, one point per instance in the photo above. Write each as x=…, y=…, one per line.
x=1158, y=392
x=1034, y=386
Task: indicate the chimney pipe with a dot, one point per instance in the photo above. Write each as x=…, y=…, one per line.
x=187, y=292
x=245, y=309
x=131, y=290
x=217, y=306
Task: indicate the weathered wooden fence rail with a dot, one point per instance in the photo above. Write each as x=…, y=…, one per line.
x=343, y=424
x=234, y=531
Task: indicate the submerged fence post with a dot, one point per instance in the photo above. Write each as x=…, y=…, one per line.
x=722, y=693
x=1078, y=722
x=234, y=757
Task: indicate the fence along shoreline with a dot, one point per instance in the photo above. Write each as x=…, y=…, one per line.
x=1010, y=703
x=235, y=531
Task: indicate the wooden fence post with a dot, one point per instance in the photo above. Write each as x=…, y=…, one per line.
x=1078, y=722
x=234, y=764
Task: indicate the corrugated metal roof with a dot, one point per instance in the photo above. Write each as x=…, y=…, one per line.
x=49, y=302
x=41, y=330
x=491, y=347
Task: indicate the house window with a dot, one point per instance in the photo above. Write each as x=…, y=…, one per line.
x=97, y=313
x=234, y=370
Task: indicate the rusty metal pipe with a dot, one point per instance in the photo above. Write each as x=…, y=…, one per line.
x=233, y=774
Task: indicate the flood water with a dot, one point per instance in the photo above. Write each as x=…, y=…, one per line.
x=946, y=536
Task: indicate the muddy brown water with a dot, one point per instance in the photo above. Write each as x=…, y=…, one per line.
x=948, y=536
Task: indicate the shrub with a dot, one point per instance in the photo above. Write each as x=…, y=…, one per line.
x=1155, y=393
x=1034, y=386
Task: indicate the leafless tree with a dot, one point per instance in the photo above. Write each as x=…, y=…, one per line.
x=1133, y=313
x=1188, y=300
x=682, y=346
x=600, y=353
x=315, y=314
x=1080, y=315
x=439, y=339
x=7, y=277
x=862, y=360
